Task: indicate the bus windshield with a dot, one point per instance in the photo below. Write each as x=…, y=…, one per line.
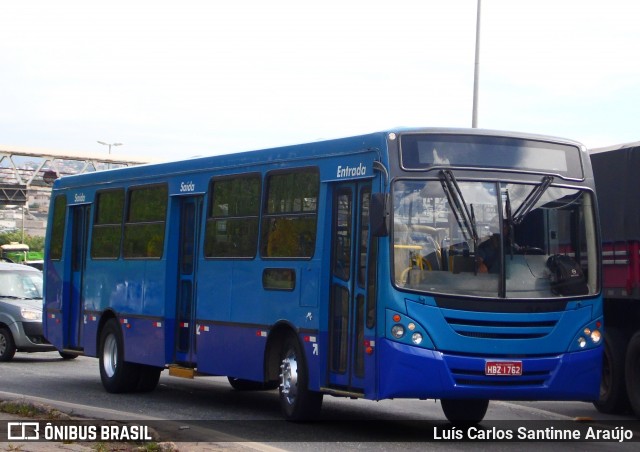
x=494, y=238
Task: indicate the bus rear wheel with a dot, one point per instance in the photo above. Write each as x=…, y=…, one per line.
x=117, y=375
x=465, y=411
x=298, y=403
x=148, y=378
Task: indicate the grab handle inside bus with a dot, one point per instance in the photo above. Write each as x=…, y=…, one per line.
x=379, y=214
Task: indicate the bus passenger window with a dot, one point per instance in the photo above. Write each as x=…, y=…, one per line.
x=290, y=214
x=57, y=229
x=146, y=217
x=107, y=226
x=232, y=220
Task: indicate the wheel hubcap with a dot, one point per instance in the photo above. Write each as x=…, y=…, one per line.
x=110, y=355
x=3, y=344
x=289, y=377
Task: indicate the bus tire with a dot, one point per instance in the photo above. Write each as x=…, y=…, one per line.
x=7, y=345
x=67, y=356
x=632, y=372
x=117, y=375
x=298, y=403
x=148, y=377
x=464, y=411
x=613, y=393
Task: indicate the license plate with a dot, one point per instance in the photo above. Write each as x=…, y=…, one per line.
x=506, y=368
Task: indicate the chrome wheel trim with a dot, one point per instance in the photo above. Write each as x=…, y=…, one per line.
x=289, y=377
x=110, y=355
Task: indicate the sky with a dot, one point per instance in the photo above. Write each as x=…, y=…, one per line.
x=176, y=79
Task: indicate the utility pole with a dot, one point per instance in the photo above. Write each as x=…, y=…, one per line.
x=476, y=72
x=110, y=144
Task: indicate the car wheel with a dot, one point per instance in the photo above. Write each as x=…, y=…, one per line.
x=7, y=346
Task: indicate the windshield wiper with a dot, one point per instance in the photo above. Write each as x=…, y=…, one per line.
x=464, y=216
x=532, y=198
x=510, y=222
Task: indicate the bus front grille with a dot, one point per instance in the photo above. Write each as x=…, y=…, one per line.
x=501, y=329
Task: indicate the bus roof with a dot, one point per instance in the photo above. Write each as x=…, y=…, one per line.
x=318, y=149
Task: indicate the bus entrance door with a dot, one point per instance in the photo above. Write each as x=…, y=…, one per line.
x=347, y=323
x=74, y=317
x=185, y=343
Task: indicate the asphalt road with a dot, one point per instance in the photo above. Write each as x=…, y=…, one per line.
x=210, y=403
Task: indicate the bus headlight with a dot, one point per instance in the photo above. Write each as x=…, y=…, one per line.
x=397, y=331
x=589, y=337
x=416, y=338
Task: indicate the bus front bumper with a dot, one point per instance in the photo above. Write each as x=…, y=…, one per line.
x=413, y=372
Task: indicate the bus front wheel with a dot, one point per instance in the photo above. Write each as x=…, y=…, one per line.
x=298, y=403
x=463, y=411
x=116, y=374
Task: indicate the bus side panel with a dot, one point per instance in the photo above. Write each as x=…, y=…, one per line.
x=101, y=283
x=90, y=334
x=108, y=284
x=232, y=350
x=52, y=313
x=143, y=338
x=214, y=290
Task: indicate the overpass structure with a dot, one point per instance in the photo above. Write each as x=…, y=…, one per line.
x=26, y=174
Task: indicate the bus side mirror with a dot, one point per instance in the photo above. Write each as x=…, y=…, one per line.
x=379, y=215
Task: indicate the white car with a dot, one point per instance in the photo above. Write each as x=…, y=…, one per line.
x=21, y=311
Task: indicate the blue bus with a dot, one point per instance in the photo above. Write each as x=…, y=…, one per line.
x=451, y=264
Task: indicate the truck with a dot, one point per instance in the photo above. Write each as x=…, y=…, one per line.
x=19, y=253
x=616, y=172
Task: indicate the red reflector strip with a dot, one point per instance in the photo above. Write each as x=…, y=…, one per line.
x=260, y=333
x=204, y=328
x=184, y=325
x=52, y=316
x=124, y=321
x=157, y=324
x=93, y=318
x=311, y=339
